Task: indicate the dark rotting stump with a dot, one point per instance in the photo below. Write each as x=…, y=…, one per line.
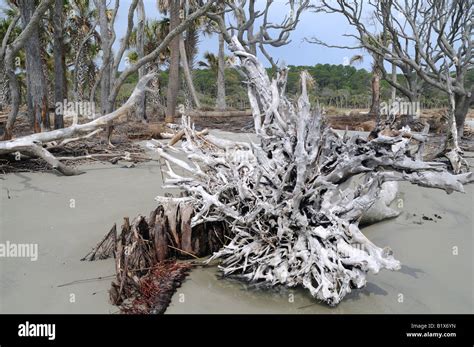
x=149, y=254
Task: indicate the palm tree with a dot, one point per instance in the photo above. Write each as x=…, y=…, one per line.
x=154, y=31
x=211, y=62
x=84, y=40
x=214, y=64
x=220, y=102
x=182, y=49
x=377, y=65
x=210, y=28
x=173, y=9
x=187, y=52
x=60, y=88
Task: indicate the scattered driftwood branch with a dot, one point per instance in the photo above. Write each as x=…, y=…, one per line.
x=33, y=144
x=180, y=134
x=115, y=157
x=293, y=201
x=55, y=144
x=105, y=248
x=219, y=114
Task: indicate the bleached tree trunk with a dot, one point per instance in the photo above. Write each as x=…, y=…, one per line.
x=250, y=37
x=4, y=90
x=105, y=37
x=4, y=87
x=37, y=86
x=375, y=88
x=173, y=75
x=394, y=79
x=451, y=149
x=462, y=102
x=221, y=103
x=59, y=60
x=141, y=109
x=187, y=72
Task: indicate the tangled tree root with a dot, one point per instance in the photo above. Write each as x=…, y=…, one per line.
x=293, y=200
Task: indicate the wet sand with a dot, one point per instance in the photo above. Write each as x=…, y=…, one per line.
x=36, y=208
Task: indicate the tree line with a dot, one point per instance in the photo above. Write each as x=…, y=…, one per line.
x=341, y=86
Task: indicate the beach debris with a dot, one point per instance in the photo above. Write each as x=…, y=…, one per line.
x=105, y=248
x=156, y=288
x=148, y=254
x=39, y=145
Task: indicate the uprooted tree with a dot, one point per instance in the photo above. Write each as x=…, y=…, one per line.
x=290, y=203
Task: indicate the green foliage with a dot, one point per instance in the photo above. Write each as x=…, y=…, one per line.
x=335, y=85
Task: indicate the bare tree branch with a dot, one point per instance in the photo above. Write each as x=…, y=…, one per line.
x=247, y=18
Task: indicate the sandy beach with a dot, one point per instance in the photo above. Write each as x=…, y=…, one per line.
x=67, y=216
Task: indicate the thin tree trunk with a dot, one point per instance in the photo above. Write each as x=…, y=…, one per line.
x=221, y=104
x=34, y=69
x=59, y=72
x=106, y=57
x=187, y=72
x=173, y=79
x=462, y=102
x=4, y=92
x=141, y=107
x=253, y=45
x=14, y=96
x=29, y=100
x=106, y=69
x=4, y=87
x=375, y=105
x=394, y=79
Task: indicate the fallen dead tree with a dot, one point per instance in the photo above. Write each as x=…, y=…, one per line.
x=219, y=114
x=293, y=200
x=36, y=145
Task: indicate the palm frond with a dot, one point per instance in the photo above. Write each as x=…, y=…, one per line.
x=356, y=59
